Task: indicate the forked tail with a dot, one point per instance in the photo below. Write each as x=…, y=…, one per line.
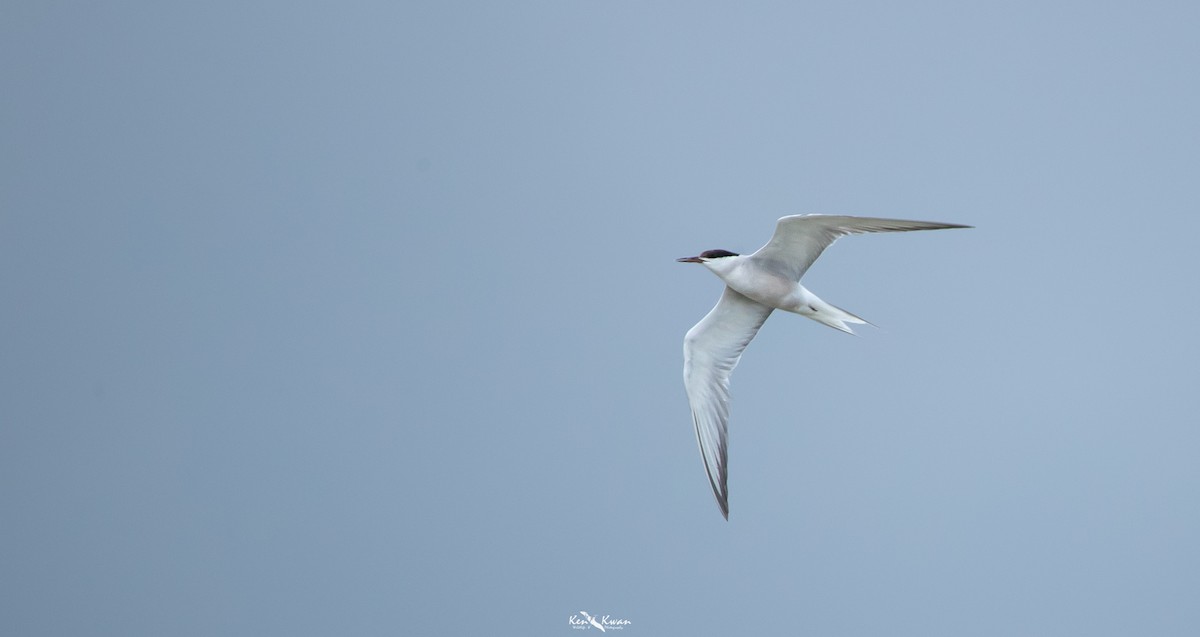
x=833, y=316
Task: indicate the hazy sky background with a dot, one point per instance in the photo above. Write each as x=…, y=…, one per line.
x=363, y=318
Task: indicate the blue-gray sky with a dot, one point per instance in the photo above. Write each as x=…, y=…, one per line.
x=363, y=319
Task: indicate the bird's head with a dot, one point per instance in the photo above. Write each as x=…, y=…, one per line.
x=711, y=258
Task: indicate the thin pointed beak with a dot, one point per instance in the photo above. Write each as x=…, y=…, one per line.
x=690, y=260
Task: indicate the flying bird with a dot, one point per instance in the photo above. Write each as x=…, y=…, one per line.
x=755, y=285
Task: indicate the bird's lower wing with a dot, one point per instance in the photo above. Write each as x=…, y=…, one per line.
x=711, y=350
x=800, y=239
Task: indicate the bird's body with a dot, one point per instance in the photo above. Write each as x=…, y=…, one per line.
x=765, y=282
x=756, y=285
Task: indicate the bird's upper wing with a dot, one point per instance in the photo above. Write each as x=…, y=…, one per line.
x=711, y=350
x=800, y=239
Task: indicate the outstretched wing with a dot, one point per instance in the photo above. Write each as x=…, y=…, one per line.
x=800, y=239
x=711, y=350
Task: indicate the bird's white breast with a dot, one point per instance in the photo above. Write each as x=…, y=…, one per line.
x=762, y=283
